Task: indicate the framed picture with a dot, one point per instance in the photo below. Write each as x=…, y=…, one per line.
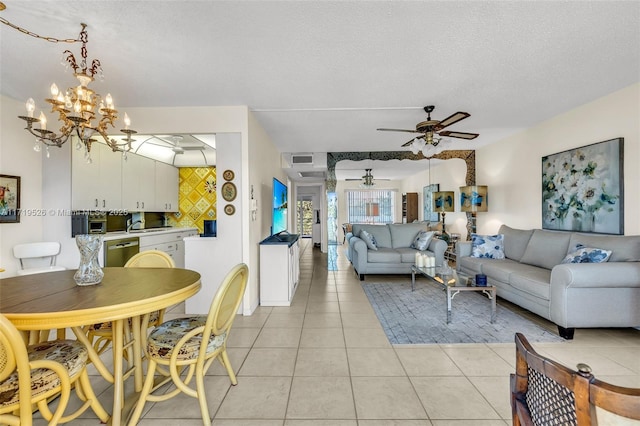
x=427, y=202
x=583, y=189
x=9, y=199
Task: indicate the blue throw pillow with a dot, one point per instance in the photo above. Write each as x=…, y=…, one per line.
x=422, y=240
x=489, y=246
x=369, y=239
x=582, y=254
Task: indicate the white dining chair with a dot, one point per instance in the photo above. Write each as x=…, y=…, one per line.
x=37, y=258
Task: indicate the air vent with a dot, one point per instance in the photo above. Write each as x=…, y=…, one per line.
x=302, y=159
x=318, y=175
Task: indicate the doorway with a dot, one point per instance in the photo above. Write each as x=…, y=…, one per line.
x=304, y=217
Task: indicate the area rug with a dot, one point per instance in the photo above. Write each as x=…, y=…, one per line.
x=421, y=316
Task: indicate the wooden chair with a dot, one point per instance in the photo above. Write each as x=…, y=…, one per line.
x=32, y=375
x=37, y=258
x=544, y=392
x=193, y=342
x=103, y=332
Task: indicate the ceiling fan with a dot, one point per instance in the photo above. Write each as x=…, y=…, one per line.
x=367, y=179
x=430, y=127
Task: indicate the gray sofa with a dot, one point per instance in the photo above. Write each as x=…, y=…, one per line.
x=394, y=254
x=572, y=295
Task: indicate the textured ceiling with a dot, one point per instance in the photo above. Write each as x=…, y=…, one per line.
x=322, y=76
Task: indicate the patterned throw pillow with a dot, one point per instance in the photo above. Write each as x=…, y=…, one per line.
x=422, y=240
x=489, y=246
x=582, y=254
x=369, y=239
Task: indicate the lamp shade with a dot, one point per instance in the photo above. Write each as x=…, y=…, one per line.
x=443, y=201
x=474, y=198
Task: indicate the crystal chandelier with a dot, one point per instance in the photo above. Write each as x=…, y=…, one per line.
x=367, y=179
x=82, y=112
x=429, y=145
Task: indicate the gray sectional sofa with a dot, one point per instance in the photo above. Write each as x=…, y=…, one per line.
x=394, y=254
x=572, y=295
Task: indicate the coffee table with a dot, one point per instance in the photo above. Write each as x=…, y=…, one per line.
x=454, y=283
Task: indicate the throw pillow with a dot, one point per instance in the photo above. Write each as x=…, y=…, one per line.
x=489, y=246
x=369, y=239
x=422, y=240
x=582, y=254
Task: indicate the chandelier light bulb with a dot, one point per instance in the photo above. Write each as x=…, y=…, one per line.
x=109, y=100
x=77, y=107
x=31, y=106
x=43, y=121
x=67, y=102
x=54, y=90
x=127, y=121
x=60, y=97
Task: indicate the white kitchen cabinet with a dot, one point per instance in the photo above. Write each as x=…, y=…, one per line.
x=138, y=183
x=279, y=272
x=96, y=185
x=166, y=187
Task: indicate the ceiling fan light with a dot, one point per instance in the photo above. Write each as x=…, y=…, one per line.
x=415, y=149
x=428, y=150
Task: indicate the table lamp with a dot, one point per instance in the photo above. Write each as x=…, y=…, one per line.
x=473, y=199
x=443, y=203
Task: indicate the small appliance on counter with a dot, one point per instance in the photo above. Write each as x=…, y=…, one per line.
x=210, y=228
x=88, y=223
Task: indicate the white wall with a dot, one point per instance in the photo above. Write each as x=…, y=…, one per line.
x=512, y=167
x=17, y=158
x=263, y=165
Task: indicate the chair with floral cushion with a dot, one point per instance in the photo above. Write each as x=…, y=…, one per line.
x=32, y=375
x=193, y=342
x=544, y=392
x=103, y=332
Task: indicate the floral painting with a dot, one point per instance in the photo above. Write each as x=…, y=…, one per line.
x=582, y=189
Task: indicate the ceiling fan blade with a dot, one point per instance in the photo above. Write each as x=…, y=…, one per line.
x=453, y=118
x=398, y=130
x=411, y=141
x=461, y=135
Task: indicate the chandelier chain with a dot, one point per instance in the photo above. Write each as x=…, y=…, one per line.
x=32, y=34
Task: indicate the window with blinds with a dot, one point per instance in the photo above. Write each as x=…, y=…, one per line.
x=370, y=206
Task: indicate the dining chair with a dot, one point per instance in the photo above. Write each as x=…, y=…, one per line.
x=37, y=258
x=103, y=332
x=544, y=392
x=193, y=342
x=32, y=375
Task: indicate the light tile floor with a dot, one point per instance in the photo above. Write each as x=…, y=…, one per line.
x=325, y=361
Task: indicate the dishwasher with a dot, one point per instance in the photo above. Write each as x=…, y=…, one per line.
x=117, y=252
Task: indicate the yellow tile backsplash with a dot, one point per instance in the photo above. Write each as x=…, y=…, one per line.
x=197, y=197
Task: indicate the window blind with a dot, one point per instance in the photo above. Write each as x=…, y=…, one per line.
x=370, y=206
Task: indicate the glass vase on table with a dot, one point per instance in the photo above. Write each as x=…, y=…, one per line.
x=89, y=271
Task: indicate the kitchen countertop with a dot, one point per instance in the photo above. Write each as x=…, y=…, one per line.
x=144, y=232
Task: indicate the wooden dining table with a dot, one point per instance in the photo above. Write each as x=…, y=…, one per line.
x=54, y=301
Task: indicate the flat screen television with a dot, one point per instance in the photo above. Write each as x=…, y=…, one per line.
x=279, y=216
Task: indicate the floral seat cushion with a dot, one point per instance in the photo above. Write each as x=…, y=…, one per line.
x=107, y=326
x=164, y=338
x=70, y=353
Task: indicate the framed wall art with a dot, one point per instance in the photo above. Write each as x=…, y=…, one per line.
x=427, y=201
x=9, y=199
x=583, y=189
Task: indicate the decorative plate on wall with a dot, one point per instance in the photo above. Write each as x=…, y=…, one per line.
x=229, y=209
x=229, y=191
x=228, y=175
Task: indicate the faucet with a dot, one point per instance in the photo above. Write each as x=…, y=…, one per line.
x=130, y=225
